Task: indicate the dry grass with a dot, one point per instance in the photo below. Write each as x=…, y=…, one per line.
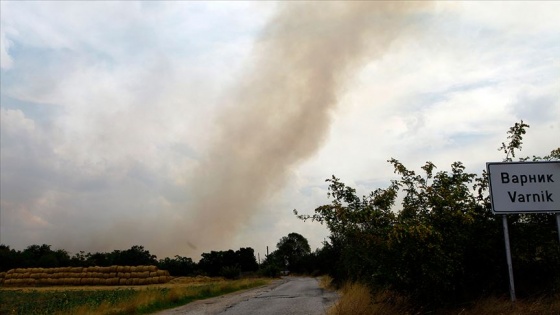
x=119, y=299
x=325, y=282
x=189, y=289
x=493, y=305
x=356, y=300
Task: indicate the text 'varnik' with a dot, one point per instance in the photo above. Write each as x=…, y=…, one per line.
x=514, y=196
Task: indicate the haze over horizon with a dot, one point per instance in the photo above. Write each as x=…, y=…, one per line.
x=187, y=127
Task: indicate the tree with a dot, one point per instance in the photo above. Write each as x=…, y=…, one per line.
x=246, y=259
x=134, y=256
x=443, y=244
x=291, y=251
x=9, y=258
x=217, y=263
x=178, y=266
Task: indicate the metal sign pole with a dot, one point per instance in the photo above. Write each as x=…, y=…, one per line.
x=508, y=256
x=558, y=224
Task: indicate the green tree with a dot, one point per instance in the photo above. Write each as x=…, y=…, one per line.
x=178, y=266
x=134, y=256
x=442, y=244
x=292, y=250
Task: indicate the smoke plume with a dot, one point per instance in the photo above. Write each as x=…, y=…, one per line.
x=280, y=112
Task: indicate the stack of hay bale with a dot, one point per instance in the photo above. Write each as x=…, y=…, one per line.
x=113, y=275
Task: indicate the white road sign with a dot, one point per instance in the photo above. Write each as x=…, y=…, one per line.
x=524, y=187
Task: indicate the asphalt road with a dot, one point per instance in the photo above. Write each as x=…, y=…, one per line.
x=291, y=295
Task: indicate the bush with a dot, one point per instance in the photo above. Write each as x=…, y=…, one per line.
x=271, y=271
x=230, y=272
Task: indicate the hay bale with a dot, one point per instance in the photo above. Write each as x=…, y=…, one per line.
x=122, y=281
x=162, y=273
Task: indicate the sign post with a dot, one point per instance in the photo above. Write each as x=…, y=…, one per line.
x=523, y=187
x=558, y=225
x=508, y=257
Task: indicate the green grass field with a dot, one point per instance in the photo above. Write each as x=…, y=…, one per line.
x=116, y=300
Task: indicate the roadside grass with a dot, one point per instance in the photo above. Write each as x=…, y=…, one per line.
x=356, y=300
x=120, y=300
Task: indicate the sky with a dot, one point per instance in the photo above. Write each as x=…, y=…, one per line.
x=187, y=127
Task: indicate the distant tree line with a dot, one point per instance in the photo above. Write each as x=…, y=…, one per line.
x=443, y=245
x=293, y=255
x=216, y=263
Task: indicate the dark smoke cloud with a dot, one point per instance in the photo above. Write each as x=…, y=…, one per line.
x=280, y=113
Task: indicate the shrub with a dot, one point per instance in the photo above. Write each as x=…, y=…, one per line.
x=231, y=272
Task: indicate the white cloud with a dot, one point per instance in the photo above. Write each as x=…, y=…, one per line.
x=5, y=58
